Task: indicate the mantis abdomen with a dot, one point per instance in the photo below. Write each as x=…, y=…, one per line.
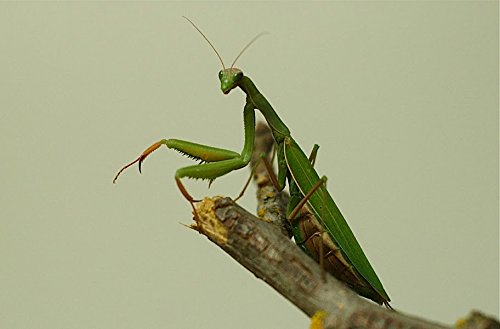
x=317, y=244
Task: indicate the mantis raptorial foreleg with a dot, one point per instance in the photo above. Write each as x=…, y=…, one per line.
x=217, y=161
x=193, y=150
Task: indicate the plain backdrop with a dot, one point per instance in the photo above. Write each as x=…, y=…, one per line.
x=401, y=96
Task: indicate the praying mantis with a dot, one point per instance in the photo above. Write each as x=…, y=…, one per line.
x=325, y=235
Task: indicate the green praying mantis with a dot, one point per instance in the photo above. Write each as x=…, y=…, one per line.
x=325, y=235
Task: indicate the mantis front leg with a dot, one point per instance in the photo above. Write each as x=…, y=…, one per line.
x=218, y=161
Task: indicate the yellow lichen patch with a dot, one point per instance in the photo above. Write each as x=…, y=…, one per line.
x=208, y=223
x=261, y=212
x=317, y=320
x=460, y=323
x=270, y=194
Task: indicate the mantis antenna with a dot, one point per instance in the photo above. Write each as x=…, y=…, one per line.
x=215, y=50
x=211, y=45
x=248, y=45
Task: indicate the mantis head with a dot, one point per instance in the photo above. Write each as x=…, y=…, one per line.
x=229, y=79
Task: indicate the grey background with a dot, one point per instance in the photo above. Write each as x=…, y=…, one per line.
x=401, y=96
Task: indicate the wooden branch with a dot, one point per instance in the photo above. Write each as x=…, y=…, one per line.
x=271, y=203
x=267, y=251
x=274, y=258
x=477, y=320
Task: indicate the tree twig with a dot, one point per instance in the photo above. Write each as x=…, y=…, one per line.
x=267, y=251
x=272, y=257
x=271, y=203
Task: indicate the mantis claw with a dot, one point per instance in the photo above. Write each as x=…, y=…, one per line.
x=140, y=159
x=125, y=167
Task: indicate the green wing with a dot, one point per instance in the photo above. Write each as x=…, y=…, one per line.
x=329, y=214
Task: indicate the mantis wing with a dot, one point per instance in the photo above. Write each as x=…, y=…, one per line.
x=329, y=214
